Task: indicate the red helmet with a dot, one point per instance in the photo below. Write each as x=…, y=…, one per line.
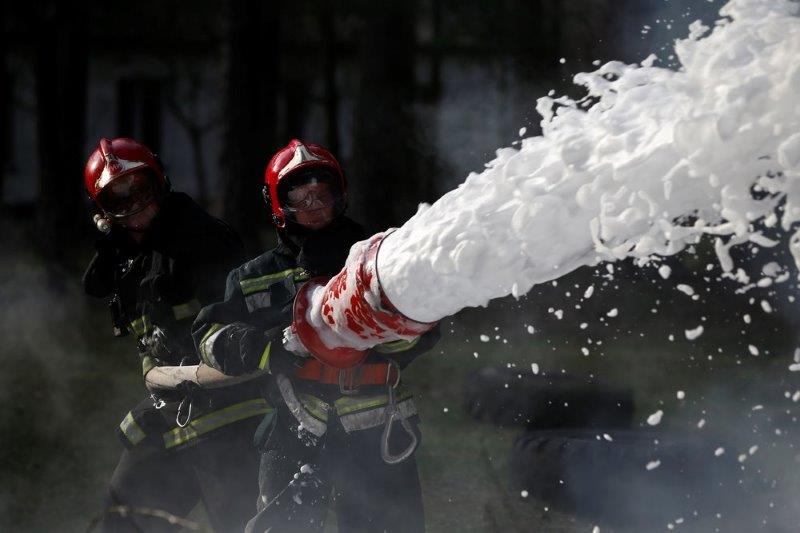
x=295, y=159
x=126, y=164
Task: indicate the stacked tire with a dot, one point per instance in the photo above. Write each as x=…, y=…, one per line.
x=580, y=453
x=625, y=477
x=509, y=397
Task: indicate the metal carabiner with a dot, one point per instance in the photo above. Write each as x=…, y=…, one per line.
x=391, y=413
x=158, y=403
x=188, y=414
x=185, y=423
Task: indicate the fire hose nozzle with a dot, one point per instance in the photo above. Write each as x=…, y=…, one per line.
x=353, y=309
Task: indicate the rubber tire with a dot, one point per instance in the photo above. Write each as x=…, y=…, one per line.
x=511, y=397
x=581, y=472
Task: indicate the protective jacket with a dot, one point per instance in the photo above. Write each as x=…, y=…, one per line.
x=331, y=421
x=244, y=333
x=156, y=289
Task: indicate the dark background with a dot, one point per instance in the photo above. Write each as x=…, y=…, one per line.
x=411, y=96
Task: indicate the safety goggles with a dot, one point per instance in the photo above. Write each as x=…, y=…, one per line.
x=128, y=194
x=310, y=197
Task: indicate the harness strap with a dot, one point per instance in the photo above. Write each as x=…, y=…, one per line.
x=351, y=378
x=315, y=426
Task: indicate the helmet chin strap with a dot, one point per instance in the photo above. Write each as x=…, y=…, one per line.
x=137, y=230
x=293, y=235
x=159, y=201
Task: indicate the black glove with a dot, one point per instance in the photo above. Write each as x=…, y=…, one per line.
x=244, y=349
x=98, y=280
x=240, y=347
x=191, y=390
x=105, y=245
x=156, y=345
x=114, y=244
x=194, y=398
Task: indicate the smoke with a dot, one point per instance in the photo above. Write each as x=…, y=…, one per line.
x=62, y=390
x=715, y=394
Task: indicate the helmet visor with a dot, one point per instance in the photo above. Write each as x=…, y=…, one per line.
x=129, y=194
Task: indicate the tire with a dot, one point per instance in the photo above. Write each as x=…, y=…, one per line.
x=578, y=472
x=509, y=397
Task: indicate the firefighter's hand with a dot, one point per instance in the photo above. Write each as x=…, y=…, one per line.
x=292, y=343
x=106, y=246
x=156, y=344
x=191, y=390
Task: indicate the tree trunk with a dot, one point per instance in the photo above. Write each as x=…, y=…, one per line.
x=387, y=182
x=196, y=142
x=252, y=80
x=296, y=103
x=5, y=105
x=329, y=60
x=195, y=131
x=61, y=70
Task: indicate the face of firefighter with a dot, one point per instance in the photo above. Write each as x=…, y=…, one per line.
x=311, y=205
x=139, y=222
x=131, y=201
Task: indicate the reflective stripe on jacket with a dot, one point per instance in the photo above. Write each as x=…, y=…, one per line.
x=137, y=426
x=354, y=412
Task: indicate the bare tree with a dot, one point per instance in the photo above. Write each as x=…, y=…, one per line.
x=5, y=102
x=184, y=104
x=327, y=20
x=387, y=179
x=61, y=67
x=251, y=93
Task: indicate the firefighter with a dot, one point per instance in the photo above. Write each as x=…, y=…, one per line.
x=160, y=259
x=324, y=443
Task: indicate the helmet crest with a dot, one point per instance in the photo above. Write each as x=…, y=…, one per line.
x=301, y=155
x=113, y=166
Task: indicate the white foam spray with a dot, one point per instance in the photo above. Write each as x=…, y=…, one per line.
x=651, y=161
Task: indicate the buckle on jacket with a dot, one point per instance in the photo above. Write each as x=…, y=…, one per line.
x=348, y=380
x=392, y=366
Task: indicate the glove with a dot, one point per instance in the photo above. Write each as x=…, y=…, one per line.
x=106, y=246
x=292, y=343
x=191, y=390
x=240, y=348
x=98, y=280
x=156, y=345
x=194, y=396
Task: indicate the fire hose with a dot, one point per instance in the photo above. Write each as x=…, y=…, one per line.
x=337, y=320
x=201, y=376
x=340, y=319
x=169, y=377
